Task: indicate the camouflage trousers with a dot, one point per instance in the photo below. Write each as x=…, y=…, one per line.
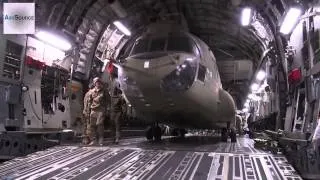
x=238, y=126
x=115, y=124
x=95, y=125
x=85, y=128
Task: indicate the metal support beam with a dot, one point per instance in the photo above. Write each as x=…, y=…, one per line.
x=282, y=76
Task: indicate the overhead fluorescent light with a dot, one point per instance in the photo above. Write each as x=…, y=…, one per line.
x=67, y=130
x=246, y=16
x=290, y=20
x=261, y=75
x=54, y=40
x=122, y=28
x=146, y=64
x=254, y=87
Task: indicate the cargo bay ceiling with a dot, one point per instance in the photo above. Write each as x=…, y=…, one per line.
x=217, y=22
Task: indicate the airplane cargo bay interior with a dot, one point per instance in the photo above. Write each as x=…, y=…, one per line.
x=160, y=89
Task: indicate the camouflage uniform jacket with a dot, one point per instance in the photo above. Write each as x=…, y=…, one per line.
x=86, y=104
x=99, y=100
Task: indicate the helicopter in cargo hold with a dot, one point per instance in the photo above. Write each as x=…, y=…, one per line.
x=170, y=76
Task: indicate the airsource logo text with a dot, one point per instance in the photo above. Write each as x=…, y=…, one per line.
x=18, y=18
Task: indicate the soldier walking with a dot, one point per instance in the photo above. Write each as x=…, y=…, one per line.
x=116, y=107
x=98, y=101
x=86, y=115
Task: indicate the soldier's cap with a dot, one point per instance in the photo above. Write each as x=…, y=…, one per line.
x=96, y=79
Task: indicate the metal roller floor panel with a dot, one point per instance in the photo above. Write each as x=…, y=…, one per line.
x=191, y=158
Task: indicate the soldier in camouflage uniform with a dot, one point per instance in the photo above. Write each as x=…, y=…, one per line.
x=116, y=107
x=99, y=100
x=86, y=115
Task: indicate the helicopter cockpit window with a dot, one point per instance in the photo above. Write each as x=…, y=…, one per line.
x=141, y=46
x=202, y=72
x=185, y=44
x=157, y=44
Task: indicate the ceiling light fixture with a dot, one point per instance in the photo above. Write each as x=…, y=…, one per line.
x=246, y=16
x=146, y=64
x=254, y=87
x=261, y=75
x=122, y=28
x=290, y=20
x=245, y=110
x=147, y=104
x=54, y=40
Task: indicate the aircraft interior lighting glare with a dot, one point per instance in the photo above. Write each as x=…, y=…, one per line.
x=245, y=110
x=257, y=98
x=54, y=40
x=261, y=75
x=290, y=20
x=122, y=28
x=246, y=16
x=24, y=88
x=254, y=87
x=147, y=104
x=67, y=130
x=146, y=64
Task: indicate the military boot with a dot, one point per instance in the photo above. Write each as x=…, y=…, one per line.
x=93, y=143
x=116, y=141
x=100, y=141
x=85, y=140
